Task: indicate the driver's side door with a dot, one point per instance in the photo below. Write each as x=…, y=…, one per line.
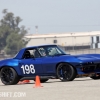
x=30, y=65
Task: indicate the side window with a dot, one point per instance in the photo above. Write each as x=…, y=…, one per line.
x=52, y=51
x=31, y=53
x=42, y=51
x=36, y=53
x=27, y=55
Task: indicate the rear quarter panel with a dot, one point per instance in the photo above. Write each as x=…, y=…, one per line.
x=14, y=63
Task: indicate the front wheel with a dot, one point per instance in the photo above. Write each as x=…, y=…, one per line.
x=9, y=76
x=65, y=72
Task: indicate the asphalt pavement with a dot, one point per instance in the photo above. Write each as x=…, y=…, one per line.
x=54, y=89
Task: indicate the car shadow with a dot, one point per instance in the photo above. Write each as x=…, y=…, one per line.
x=71, y=81
x=18, y=84
x=55, y=81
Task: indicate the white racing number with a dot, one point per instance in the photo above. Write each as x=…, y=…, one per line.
x=28, y=69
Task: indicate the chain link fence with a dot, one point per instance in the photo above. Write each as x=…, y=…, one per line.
x=81, y=49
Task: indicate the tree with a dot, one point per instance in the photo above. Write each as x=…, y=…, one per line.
x=11, y=34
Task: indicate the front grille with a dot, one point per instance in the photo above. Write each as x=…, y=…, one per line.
x=91, y=67
x=98, y=66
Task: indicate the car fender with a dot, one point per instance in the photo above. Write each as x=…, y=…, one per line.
x=14, y=63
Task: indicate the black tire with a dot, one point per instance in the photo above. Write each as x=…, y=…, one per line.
x=65, y=72
x=95, y=77
x=9, y=76
x=43, y=80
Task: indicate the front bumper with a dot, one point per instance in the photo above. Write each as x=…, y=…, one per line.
x=86, y=68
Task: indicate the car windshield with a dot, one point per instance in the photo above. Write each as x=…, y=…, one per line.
x=50, y=51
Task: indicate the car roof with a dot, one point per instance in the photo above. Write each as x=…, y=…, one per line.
x=20, y=53
x=39, y=46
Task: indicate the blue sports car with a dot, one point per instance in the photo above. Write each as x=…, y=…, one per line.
x=48, y=61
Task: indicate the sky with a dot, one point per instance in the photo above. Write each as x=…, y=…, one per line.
x=55, y=16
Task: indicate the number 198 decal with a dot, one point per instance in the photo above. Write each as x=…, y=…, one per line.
x=28, y=69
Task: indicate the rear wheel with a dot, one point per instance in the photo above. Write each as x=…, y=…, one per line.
x=65, y=72
x=9, y=76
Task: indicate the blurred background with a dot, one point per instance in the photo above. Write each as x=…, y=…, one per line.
x=73, y=25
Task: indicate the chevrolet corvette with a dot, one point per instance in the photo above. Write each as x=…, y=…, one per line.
x=48, y=61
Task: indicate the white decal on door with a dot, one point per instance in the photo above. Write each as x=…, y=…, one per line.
x=28, y=69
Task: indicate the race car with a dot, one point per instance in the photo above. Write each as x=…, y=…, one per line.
x=48, y=61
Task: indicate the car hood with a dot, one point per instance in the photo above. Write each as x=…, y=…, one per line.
x=88, y=57
x=80, y=58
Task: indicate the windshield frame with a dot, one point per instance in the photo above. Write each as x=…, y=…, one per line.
x=51, y=46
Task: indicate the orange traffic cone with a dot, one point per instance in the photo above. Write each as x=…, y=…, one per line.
x=20, y=82
x=24, y=81
x=37, y=82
